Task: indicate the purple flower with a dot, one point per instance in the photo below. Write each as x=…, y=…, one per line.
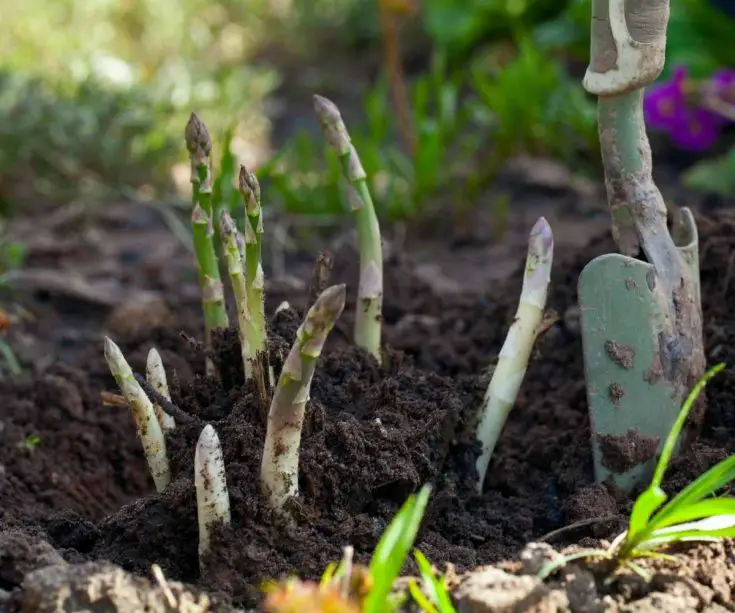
x=718, y=95
x=668, y=107
x=696, y=130
x=665, y=102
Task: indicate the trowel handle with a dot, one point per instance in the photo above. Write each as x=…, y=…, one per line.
x=628, y=45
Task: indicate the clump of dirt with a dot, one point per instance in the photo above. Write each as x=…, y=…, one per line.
x=373, y=434
x=623, y=452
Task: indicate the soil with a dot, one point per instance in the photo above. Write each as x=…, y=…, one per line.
x=81, y=489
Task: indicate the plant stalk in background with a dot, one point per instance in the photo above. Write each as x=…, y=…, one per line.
x=144, y=415
x=279, y=473
x=255, y=278
x=513, y=360
x=210, y=482
x=199, y=145
x=155, y=374
x=390, y=12
x=368, y=315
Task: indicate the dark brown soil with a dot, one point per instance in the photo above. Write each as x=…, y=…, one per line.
x=84, y=487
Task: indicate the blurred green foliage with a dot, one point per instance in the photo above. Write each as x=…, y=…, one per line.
x=98, y=92
x=70, y=137
x=400, y=184
x=93, y=94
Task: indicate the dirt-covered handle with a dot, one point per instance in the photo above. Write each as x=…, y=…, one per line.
x=628, y=44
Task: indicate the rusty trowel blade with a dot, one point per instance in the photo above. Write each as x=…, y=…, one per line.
x=631, y=408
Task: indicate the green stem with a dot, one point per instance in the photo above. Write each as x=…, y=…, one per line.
x=233, y=255
x=369, y=310
x=199, y=146
x=280, y=466
x=255, y=278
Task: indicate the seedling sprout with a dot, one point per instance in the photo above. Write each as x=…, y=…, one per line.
x=695, y=514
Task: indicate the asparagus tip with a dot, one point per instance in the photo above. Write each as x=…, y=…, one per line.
x=326, y=110
x=541, y=238
x=112, y=351
x=197, y=136
x=213, y=501
x=249, y=186
x=226, y=224
x=331, y=302
x=335, y=131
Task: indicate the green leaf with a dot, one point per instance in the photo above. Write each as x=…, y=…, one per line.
x=698, y=510
x=681, y=418
x=393, y=548
x=420, y=598
x=434, y=586
x=658, y=540
x=706, y=485
x=650, y=500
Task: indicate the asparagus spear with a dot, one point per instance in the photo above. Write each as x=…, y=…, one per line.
x=513, y=360
x=144, y=415
x=199, y=145
x=280, y=466
x=210, y=482
x=232, y=240
x=368, y=318
x=155, y=374
x=255, y=279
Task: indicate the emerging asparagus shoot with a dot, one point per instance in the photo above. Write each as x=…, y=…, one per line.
x=280, y=467
x=199, y=145
x=255, y=279
x=368, y=316
x=232, y=243
x=144, y=415
x=513, y=360
x=155, y=374
x=210, y=482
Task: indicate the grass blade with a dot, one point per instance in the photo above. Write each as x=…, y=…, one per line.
x=681, y=418
x=393, y=548
x=645, y=505
x=433, y=585
x=420, y=598
x=698, y=510
x=707, y=484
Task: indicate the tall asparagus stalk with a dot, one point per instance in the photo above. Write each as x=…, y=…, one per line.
x=233, y=254
x=144, y=415
x=279, y=473
x=254, y=276
x=199, y=145
x=368, y=318
x=503, y=389
x=627, y=53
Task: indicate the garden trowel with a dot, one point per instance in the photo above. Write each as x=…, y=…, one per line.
x=623, y=319
x=640, y=309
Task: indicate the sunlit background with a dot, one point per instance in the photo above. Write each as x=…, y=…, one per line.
x=94, y=95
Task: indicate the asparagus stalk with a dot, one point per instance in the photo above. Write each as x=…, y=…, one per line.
x=232, y=242
x=255, y=279
x=155, y=374
x=368, y=317
x=199, y=145
x=513, y=360
x=280, y=466
x=210, y=482
x=144, y=415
